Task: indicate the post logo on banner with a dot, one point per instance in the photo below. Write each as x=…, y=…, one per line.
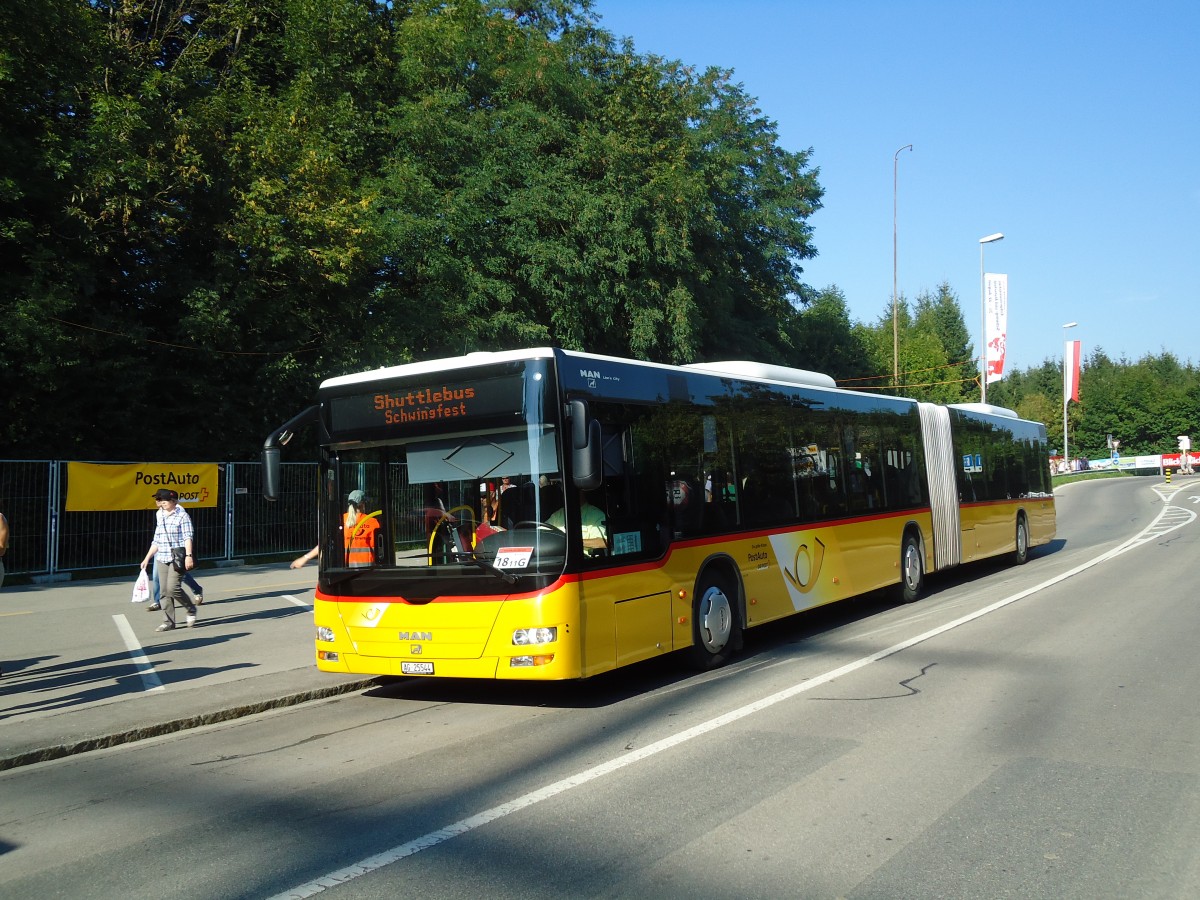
x=101, y=487
x=996, y=319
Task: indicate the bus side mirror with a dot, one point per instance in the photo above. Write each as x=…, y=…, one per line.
x=270, y=473
x=586, y=461
x=272, y=445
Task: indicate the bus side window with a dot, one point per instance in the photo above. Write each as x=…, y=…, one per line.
x=686, y=500
x=768, y=494
x=637, y=447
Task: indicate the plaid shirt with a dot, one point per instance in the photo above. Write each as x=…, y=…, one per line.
x=171, y=529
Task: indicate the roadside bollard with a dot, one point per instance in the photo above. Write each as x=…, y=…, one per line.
x=1168, y=476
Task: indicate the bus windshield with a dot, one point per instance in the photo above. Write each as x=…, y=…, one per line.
x=470, y=504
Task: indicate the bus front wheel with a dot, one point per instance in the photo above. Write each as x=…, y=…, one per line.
x=715, y=625
x=912, y=569
x=1021, y=553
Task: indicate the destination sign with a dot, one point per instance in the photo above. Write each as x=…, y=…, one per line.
x=428, y=406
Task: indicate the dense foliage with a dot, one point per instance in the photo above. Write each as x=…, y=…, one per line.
x=1145, y=405
x=207, y=206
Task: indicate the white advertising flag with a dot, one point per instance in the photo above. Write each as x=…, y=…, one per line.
x=996, y=313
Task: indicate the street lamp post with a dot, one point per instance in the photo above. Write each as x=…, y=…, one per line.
x=895, y=326
x=991, y=238
x=1066, y=392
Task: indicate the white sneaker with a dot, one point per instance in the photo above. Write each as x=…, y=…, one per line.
x=191, y=621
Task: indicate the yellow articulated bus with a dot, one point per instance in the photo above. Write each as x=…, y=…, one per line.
x=546, y=514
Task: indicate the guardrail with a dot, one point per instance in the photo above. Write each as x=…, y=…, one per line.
x=48, y=542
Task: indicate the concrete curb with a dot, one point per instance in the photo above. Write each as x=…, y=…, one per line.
x=58, y=751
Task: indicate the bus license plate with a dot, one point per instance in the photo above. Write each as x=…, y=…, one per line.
x=416, y=668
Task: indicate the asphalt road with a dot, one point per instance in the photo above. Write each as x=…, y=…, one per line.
x=1025, y=732
x=85, y=668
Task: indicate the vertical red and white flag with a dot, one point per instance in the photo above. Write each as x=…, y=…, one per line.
x=1071, y=370
x=995, y=293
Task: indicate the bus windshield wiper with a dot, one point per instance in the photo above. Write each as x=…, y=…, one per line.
x=467, y=556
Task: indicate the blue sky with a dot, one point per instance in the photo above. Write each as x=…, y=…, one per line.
x=1071, y=127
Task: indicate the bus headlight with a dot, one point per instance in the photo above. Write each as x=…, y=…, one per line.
x=324, y=634
x=524, y=636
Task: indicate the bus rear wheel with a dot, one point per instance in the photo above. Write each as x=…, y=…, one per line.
x=715, y=625
x=912, y=569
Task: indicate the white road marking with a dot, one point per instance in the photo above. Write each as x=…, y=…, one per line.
x=296, y=600
x=150, y=678
x=372, y=863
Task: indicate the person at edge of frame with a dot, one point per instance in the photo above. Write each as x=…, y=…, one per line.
x=3, y=550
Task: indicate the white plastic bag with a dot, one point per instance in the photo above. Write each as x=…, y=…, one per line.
x=141, y=588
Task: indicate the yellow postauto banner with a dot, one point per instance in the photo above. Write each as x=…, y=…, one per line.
x=96, y=487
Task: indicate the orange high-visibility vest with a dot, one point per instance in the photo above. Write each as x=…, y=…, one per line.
x=360, y=540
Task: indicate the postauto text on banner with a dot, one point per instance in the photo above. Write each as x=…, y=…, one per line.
x=99, y=487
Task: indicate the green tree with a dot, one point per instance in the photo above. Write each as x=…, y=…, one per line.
x=922, y=361
x=940, y=316
x=205, y=197
x=205, y=208
x=47, y=48
x=876, y=342
x=1036, y=394
x=1037, y=407
x=1145, y=405
x=823, y=339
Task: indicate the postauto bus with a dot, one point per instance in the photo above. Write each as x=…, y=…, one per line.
x=724, y=495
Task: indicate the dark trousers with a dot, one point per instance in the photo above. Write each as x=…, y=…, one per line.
x=172, y=592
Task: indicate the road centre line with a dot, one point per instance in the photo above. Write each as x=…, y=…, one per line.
x=296, y=600
x=150, y=678
x=463, y=826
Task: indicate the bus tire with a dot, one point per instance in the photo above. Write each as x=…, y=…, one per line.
x=716, y=626
x=912, y=569
x=1021, y=553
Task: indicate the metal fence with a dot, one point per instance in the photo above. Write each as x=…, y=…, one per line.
x=46, y=539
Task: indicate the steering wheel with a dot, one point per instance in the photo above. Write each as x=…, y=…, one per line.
x=540, y=526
